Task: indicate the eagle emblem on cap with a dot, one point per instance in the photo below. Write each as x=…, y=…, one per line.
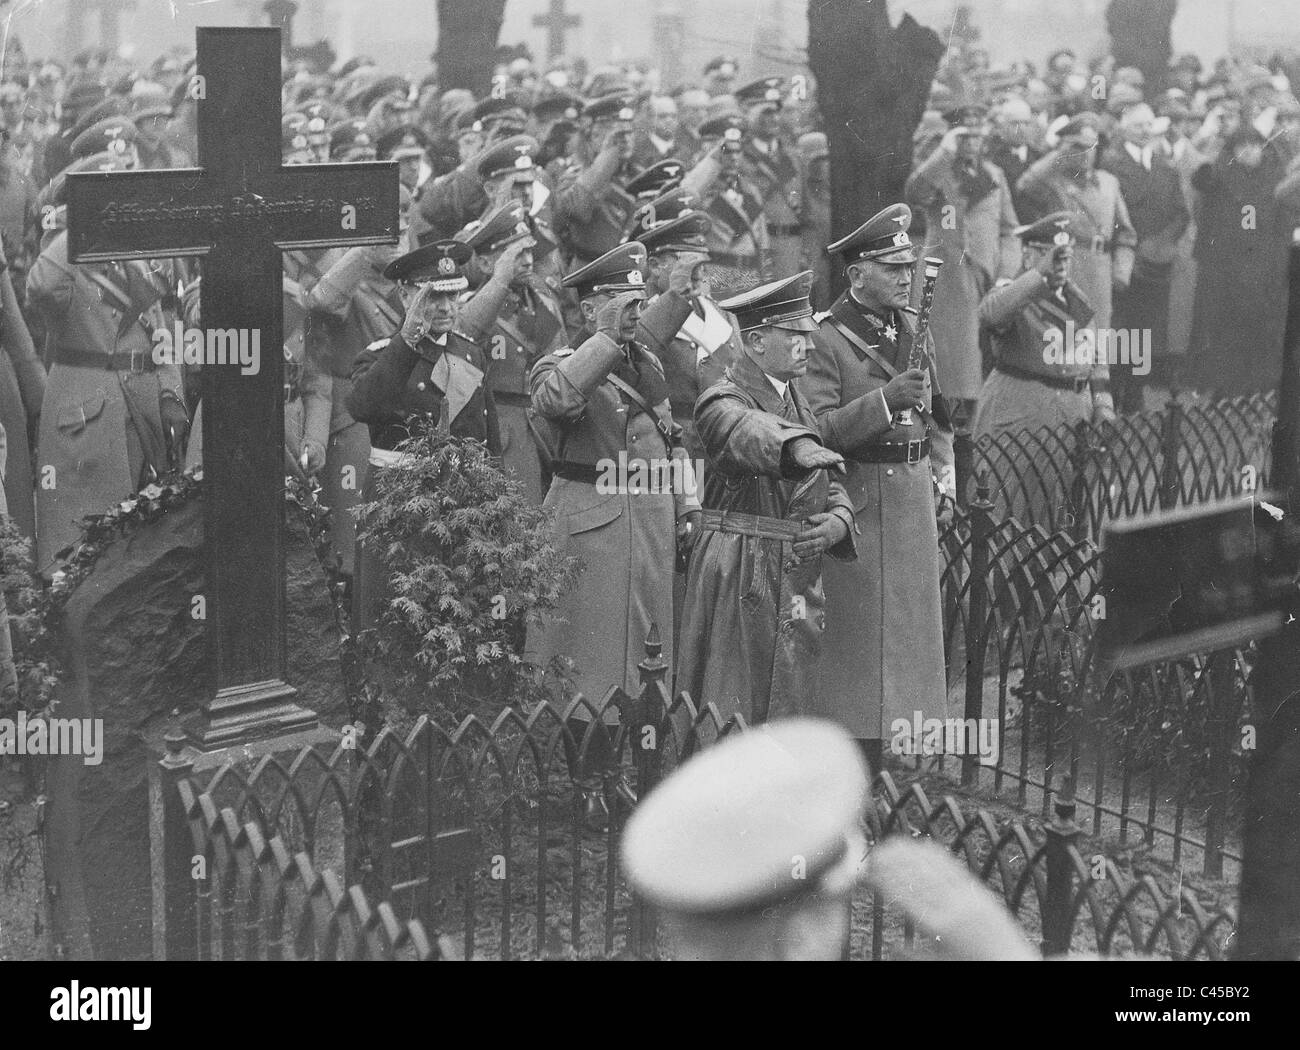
x=446, y=266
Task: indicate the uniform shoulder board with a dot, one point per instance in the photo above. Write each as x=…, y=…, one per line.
x=379, y=344
x=564, y=351
x=820, y=316
x=1002, y=282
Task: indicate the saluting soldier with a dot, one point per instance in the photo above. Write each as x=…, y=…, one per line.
x=1067, y=179
x=681, y=324
x=426, y=371
x=1035, y=381
x=112, y=419
x=771, y=165
x=591, y=207
x=884, y=618
x=599, y=403
x=1040, y=378
x=751, y=850
x=751, y=637
x=516, y=317
x=969, y=224
x=738, y=238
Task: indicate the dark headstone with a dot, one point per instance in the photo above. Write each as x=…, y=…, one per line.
x=139, y=660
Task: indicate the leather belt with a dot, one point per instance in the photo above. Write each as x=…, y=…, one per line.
x=895, y=452
x=1098, y=245
x=1076, y=383
x=509, y=397
x=738, y=524
x=784, y=231
x=583, y=472
x=132, y=361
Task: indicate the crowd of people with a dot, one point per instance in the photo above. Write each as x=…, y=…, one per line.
x=598, y=268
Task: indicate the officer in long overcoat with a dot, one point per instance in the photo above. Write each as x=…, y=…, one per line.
x=884, y=623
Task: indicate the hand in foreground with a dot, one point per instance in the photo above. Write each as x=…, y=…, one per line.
x=610, y=319
x=823, y=531
x=415, y=326
x=907, y=390
x=807, y=454
x=507, y=267
x=313, y=456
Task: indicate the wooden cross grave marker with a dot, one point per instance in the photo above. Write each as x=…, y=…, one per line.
x=238, y=210
x=557, y=22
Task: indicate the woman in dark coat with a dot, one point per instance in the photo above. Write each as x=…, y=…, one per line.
x=1242, y=248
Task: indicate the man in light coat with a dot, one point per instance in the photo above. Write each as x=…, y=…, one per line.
x=969, y=223
x=601, y=406
x=1067, y=179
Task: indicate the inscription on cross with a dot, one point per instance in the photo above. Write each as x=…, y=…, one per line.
x=238, y=210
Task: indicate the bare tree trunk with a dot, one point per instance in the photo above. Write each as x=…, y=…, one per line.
x=467, y=41
x=1140, y=36
x=872, y=84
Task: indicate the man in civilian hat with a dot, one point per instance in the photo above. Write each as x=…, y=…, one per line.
x=754, y=615
x=426, y=372
x=770, y=164
x=591, y=207
x=970, y=224
x=601, y=408
x=1038, y=379
x=890, y=422
x=1152, y=193
x=738, y=240
x=682, y=325
x=751, y=850
x=516, y=316
x=1067, y=179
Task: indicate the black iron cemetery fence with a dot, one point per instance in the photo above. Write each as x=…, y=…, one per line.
x=480, y=833
x=1074, y=479
x=1155, y=752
